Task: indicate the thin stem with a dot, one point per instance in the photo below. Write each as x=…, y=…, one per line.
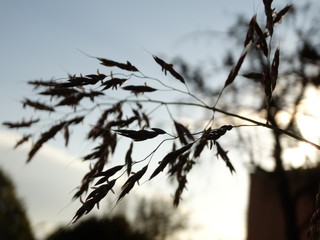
x=168, y=110
x=172, y=88
x=266, y=125
x=151, y=154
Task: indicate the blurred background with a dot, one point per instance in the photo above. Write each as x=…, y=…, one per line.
x=272, y=193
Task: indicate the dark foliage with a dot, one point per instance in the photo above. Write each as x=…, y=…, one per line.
x=13, y=219
x=116, y=228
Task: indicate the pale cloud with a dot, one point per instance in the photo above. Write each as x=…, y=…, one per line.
x=8, y=139
x=45, y=185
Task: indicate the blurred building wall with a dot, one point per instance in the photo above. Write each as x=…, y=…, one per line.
x=265, y=214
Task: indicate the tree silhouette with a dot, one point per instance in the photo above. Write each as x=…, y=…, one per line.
x=13, y=219
x=128, y=101
x=115, y=228
x=157, y=218
x=149, y=219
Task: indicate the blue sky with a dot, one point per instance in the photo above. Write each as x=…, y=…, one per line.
x=40, y=39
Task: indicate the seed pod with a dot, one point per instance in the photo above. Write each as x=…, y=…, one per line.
x=168, y=67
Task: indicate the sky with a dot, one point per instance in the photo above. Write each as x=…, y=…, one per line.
x=44, y=40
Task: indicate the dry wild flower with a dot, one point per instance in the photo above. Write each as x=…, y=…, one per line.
x=139, y=89
x=24, y=139
x=168, y=67
x=59, y=92
x=254, y=76
x=66, y=135
x=223, y=154
x=41, y=83
x=21, y=124
x=37, y=105
x=215, y=134
x=93, y=199
x=108, y=173
x=269, y=14
x=124, y=66
x=113, y=83
x=183, y=132
x=281, y=13
x=69, y=92
x=44, y=138
x=140, y=135
x=182, y=182
x=128, y=159
x=234, y=72
x=250, y=32
x=274, y=69
x=129, y=184
x=169, y=158
x=262, y=39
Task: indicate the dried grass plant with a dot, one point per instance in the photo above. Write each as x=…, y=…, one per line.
x=117, y=122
